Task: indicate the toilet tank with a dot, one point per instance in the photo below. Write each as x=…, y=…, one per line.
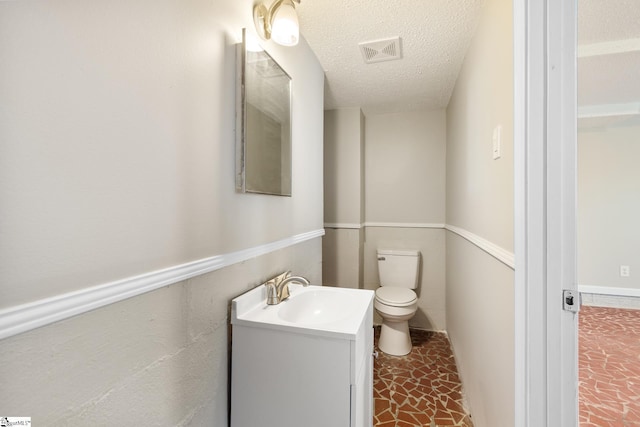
x=398, y=268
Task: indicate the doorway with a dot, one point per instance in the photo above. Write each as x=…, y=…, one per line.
x=608, y=136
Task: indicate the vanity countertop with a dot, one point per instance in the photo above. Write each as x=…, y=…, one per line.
x=311, y=310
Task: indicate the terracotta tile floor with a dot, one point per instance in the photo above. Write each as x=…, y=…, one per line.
x=420, y=388
x=609, y=367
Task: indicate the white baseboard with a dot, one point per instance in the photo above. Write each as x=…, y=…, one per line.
x=22, y=318
x=608, y=290
x=606, y=296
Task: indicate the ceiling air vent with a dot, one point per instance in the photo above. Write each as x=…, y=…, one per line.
x=381, y=50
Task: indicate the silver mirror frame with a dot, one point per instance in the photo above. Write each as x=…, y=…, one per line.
x=250, y=152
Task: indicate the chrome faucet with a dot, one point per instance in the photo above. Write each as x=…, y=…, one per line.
x=278, y=287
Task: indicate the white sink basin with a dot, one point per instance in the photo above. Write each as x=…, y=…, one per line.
x=319, y=310
x=316, y=307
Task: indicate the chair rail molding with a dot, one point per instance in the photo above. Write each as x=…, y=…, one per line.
x=22, y=318
x=343, y=225
x=404, y=225
x=501, y=254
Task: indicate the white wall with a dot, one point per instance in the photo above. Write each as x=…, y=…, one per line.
x=609, y=207
x=404, y=196
x=117, y=159
x=479, y=287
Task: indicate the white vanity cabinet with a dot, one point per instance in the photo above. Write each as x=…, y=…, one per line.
x=290, y=375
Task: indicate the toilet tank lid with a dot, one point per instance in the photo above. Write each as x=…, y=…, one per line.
x=398, y=252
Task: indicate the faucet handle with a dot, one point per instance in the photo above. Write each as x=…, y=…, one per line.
x=284, y=293
x=285, y=275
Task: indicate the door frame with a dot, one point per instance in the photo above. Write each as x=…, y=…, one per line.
x=545, y=153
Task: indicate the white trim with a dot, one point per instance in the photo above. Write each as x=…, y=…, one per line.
x=609, y=48
x=492, y=249
x=611, y=301
x=544, y=170
x=403, y=225
x=561, y=210
x=609, y=110
x=22, y=318
x=343, y=225
x=609, y=290
x=529, y=26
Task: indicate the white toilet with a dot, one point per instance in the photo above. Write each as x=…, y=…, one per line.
x=395, y=299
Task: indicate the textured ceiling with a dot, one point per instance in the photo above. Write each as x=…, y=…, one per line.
x=608, y=20
x=435, y=35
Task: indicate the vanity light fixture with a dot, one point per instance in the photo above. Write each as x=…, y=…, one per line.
x=279, y=22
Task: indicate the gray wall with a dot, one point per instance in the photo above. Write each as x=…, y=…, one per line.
x=405, y=167
x=405, y=201
x=161, y=358
x=384, y=176
x=479, y=289
x=609, y=207
x=344, y=197
x=344, y=169
x=117, y=159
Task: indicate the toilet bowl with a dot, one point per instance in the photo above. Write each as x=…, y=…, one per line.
x=395, y=308
x=395, y=299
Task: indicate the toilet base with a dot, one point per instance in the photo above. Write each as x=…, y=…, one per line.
x=394, y=338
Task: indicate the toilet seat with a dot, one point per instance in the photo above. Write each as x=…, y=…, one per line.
x=395, y=296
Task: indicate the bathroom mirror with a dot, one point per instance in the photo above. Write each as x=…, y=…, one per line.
x=263, y=123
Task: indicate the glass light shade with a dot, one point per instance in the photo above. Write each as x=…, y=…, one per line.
x=284, y=26
x=252, y=43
